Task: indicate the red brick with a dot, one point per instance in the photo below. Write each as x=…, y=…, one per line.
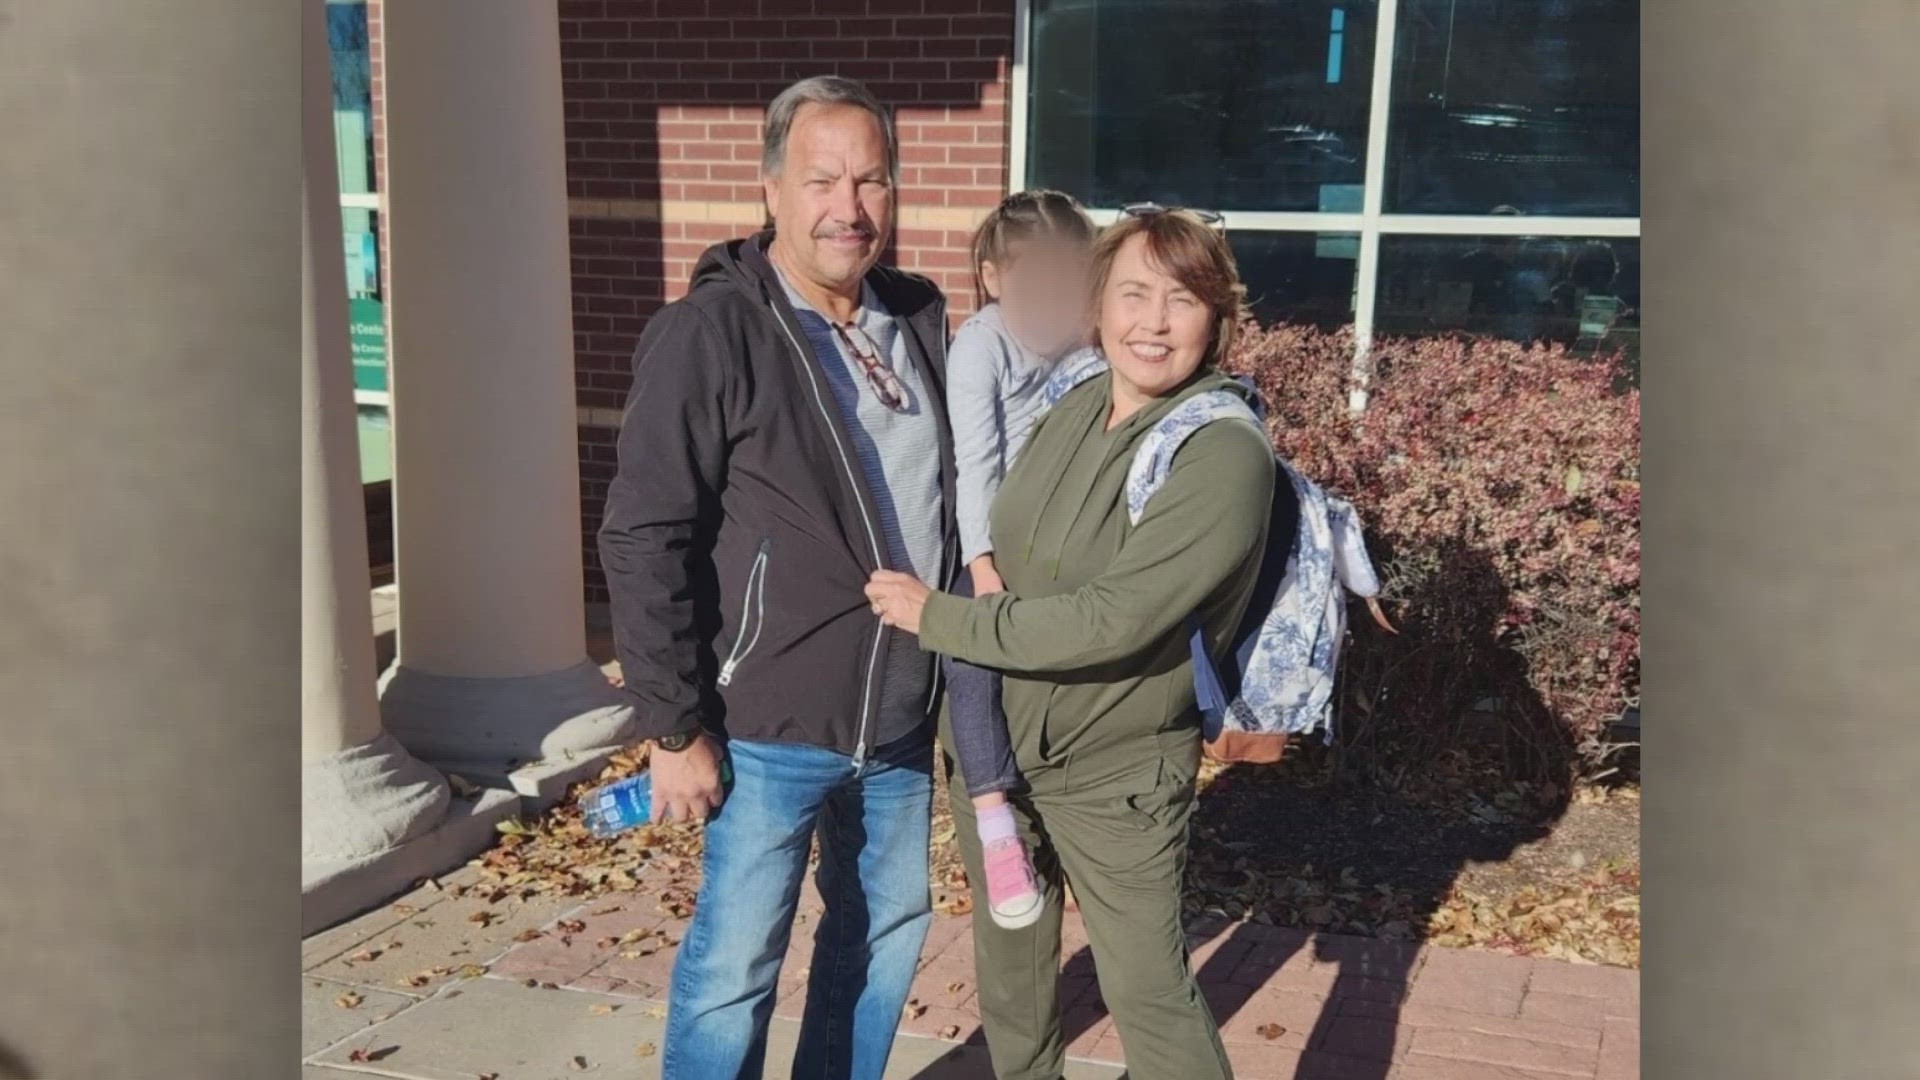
x=1619, y=1050
x=1568, y=1009
x=1606, y=983
x=1297, y=1014
x=1282, y=1063
x=1380, y=1039
x=1513, y=1053
x=1083, y=1028
x=1419, y=1068
x=934, y=1021
x=1540, y=1031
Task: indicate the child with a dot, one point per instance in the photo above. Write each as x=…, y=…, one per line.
x=1029, y=264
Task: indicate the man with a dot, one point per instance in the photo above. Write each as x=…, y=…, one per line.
x=784, y=437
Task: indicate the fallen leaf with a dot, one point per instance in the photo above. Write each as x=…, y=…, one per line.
x=914, y=1010
x=604, y=1010
x=365, y=1054
x=1270, y=1032
x=571, y=926
x=349, y=1000
x=416, y=980
x=657, y=1012
x=530, y=983
x=489, y=1076
x=462, y=786
x=364, y=956
x=955, y=987
x=951, y=1031
x=577, y=1063
x=525, y=936
x=645, y=1050
x=607, y=910
x=473, y=971
x=404, y=909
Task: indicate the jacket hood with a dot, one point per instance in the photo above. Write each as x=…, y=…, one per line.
x=743, y=264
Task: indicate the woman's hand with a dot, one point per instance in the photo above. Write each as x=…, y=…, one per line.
x=898, y=599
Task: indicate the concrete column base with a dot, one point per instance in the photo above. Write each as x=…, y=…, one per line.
x=334, y=890
x=358, y=802
x=486, y=729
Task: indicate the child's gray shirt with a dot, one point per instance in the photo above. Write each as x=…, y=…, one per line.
x=994, y=389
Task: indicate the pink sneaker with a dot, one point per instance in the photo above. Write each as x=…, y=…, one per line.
x=1013, y=889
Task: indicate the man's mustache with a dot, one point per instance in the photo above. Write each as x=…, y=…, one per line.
x=843, y=233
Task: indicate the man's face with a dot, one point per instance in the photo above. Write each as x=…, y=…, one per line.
x=832, y=200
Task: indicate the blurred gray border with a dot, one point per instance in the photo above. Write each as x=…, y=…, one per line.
x=149, y=539
x=1782, y=522
x=148, y=652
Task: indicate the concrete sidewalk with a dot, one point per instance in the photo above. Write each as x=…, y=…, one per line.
x=437, y=987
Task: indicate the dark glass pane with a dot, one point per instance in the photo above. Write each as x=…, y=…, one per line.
x=352, y=93
x=1298, y=277
x=1209, y=103
x=1582, y=292
x=1529, y=104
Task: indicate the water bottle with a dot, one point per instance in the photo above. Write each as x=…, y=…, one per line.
x=626, y=804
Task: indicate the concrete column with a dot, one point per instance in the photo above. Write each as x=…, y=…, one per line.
x=491, y=669
x=361, y=793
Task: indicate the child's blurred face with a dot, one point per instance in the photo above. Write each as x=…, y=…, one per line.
x=1042, y=290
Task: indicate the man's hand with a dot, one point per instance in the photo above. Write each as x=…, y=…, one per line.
x=686, y=783
x=986, y=578
x=898, y=599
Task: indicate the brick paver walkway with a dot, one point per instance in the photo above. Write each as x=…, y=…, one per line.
x=1290, y=1004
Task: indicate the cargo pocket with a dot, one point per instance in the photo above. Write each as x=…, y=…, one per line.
x=1161, y=795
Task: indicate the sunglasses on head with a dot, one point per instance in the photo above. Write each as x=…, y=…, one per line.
x=1212, y=219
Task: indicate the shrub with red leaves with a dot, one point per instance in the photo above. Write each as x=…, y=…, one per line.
x=1499, y=484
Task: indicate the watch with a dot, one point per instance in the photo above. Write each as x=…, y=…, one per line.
x=677, y=741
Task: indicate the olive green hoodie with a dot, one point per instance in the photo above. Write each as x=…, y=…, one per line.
x=1091, y=632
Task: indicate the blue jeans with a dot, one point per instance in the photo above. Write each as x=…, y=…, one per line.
x=873, y=824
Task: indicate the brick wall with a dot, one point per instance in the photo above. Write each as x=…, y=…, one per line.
x=664, y=101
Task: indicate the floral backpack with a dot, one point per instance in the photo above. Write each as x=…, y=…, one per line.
x=1277, y=676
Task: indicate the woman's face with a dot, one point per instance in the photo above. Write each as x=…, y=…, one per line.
x=1153, y=329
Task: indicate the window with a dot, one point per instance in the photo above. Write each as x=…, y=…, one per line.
x=1527, y=104
x=1581, y=292
x=360, y=219
x=1404, y=166
x=1264, y=108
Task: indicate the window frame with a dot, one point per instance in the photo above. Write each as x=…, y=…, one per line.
x=1370, y=223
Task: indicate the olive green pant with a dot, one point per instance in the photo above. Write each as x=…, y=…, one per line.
x=1114, y=827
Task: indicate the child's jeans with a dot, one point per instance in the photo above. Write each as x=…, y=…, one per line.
x=980, y=740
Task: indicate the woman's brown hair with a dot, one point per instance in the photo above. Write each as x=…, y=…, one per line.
x=1024, y=215
x=1191, y=252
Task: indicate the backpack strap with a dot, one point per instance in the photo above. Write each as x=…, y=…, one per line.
x=1153, y=459
x=1152, y=463
x=1075, y=369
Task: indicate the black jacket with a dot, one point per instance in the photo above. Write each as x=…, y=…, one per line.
x=739, y=531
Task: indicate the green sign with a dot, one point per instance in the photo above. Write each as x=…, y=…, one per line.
x=368, y=334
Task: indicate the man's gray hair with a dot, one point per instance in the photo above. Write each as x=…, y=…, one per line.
x=822, y=90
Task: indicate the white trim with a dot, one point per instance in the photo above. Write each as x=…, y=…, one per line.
x=1261, y=220
x=1017, y=97
x=1509, y=225
x=373, y=397
x=360, y=200
x=1366, y=274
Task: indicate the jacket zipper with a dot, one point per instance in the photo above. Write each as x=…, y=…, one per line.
x=873, y=658
x=754, y=596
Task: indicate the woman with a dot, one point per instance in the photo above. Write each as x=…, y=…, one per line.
x=1099, y=686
